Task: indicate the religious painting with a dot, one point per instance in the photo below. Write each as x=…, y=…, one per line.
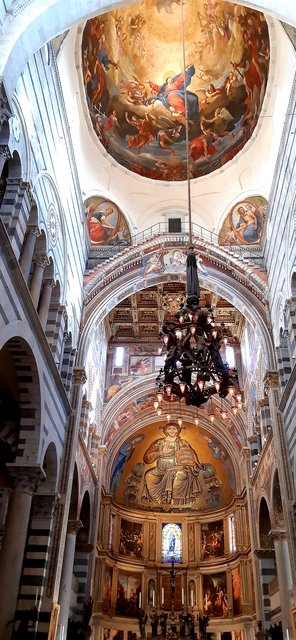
x=106, y=223
x=128, y=599
x=212, y=539
x=153, y=264
x=167, y=470
x=136, y=87
x=140, y=366
x=236, y=592
x=215, y=599
x=171, y=542
x=131, y=539
x=107, y=589
x=244, y=223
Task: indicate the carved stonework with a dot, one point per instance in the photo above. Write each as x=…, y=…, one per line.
x=265, y=553
x=246, y=453
x=53, y=225
x=191, y=546
x=271, y=381
x=73, y=527
x=26, y=479
x=101, y=451
x=79, y=375
x=279, y=534
x=41, y=261
x=4, y=152
x=152, y=536
x=264, y=402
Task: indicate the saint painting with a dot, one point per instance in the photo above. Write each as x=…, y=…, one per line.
x=106, y=223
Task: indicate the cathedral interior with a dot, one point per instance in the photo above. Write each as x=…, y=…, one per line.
x=147, y=319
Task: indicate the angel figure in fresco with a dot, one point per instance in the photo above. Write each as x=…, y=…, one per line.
x=172, y=94
x=175, y=477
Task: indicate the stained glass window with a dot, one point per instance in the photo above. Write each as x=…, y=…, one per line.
x=232, y=540
x=171, y=542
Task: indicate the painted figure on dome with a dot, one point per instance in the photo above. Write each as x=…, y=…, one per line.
x=175, y=477
x=172, y=94
x=99, y=227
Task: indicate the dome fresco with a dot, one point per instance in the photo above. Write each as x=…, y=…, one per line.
x=132, y=66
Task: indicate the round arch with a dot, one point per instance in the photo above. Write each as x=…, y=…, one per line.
x=19, y=361
x=229, y=276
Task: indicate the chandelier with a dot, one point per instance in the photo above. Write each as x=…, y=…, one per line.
x=193, y=369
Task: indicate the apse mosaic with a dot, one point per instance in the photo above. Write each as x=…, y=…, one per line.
x=170, y=468
x=135, y=84
x=171, y=542
x=244, y=223
x=106, y=223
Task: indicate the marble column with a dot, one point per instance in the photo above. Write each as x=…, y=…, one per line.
x=66, y=578
x=40, y=263
x=28, y=251
x=14, y=541
x=45, y=299
x=285, y=581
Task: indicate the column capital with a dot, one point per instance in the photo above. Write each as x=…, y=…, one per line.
x=246, y=453
x=290, y=304
x=79, y=375
x=278, y=534
x=34, y=231
x=74, y=526
x=264, y=402
x=49, y=282
x=25, y=479
x=271, y=381
x=41, y=261
x=102, y=449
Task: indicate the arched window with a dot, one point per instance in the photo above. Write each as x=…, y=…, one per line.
x=171, y=542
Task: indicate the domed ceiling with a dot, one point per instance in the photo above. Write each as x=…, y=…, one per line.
x=132, y=64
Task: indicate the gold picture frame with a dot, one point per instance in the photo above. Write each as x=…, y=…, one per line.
x=53, y=624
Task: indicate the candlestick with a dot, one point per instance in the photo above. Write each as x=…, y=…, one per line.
x=140, y=600
x=191, y=598
x=162, y=596
x=153, y=598
x=182, y=596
